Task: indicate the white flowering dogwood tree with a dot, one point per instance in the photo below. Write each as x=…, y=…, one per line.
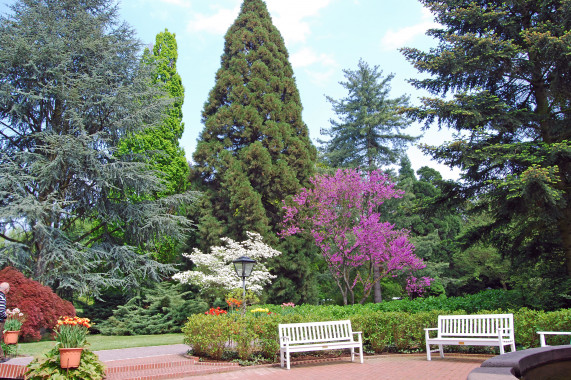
x=215, y=270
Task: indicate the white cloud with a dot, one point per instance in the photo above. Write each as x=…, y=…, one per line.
x=290, y=17
x=319, y=68
x=307, y=57
x=394, y=39
x=215, y=23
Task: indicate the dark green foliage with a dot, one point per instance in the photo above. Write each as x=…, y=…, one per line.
x=369, y=131
x=504, y=67
x=254, y=150
x=474, y=303
x=161, y=310
x=102, y=308
x=297, y=280
x=9, y=349
x=48, y=367
x=433, y=227
x=71, y=86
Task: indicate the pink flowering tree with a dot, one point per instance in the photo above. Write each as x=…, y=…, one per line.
x=341, y=214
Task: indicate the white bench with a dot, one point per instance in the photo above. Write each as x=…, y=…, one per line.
x=315, y=336
x=472, y=330
x=543, y=333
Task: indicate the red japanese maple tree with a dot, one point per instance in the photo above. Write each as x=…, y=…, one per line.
x=39, y=303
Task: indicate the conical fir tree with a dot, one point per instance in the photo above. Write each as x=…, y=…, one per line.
x=160, y=145
x=254, y=150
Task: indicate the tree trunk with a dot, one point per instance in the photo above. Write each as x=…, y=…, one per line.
x=565, y=231
x=377, y=296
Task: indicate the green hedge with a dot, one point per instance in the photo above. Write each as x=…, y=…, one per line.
x=383, y=331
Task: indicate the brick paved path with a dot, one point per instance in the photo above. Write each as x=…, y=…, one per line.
x=384, y=367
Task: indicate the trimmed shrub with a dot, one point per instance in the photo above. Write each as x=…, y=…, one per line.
x=527, y=322
x=229, y=335
x=40, y=304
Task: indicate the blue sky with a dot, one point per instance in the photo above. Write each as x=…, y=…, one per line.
x=323, y=37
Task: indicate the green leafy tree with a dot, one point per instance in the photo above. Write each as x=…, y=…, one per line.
x=504, y=69
x=71, y=86
x=369, y=132
x=254, y=149
x=159, y=146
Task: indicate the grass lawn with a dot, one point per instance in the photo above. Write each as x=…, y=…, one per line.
x=103, y=342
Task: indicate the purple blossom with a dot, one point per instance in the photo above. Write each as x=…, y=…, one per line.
x=340, y=214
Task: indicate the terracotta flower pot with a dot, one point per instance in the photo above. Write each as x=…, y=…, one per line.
x=70, y=357
x=11, y=337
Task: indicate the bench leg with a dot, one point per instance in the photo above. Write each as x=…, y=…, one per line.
x=513, y=346
x=287, y=357
x=428, y=352
x=281, y=358
x=441, y=349
x=502, y=349
x=361, y=353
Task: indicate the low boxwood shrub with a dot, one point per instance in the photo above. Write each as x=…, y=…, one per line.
x=231, y=335
x=528, y=322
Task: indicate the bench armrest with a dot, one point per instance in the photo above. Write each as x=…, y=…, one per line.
x=426, y=330
x=543, y=333
x=284, y=340
x=360, y=335
x=505, y=331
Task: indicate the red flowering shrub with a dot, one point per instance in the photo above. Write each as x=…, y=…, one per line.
x=216, y=311
x=39, y=303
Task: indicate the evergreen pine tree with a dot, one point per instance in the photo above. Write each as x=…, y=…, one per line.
x=369, y=133
x=255, y=149
x=504, y=69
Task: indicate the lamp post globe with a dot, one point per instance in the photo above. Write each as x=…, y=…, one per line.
x=243, y=267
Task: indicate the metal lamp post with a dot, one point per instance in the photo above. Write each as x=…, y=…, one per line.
x=243, y=267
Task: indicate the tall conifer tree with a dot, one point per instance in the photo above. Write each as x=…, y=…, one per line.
x=159, y=146
x=255, y=149
x=507, y=66
x=369, y=132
